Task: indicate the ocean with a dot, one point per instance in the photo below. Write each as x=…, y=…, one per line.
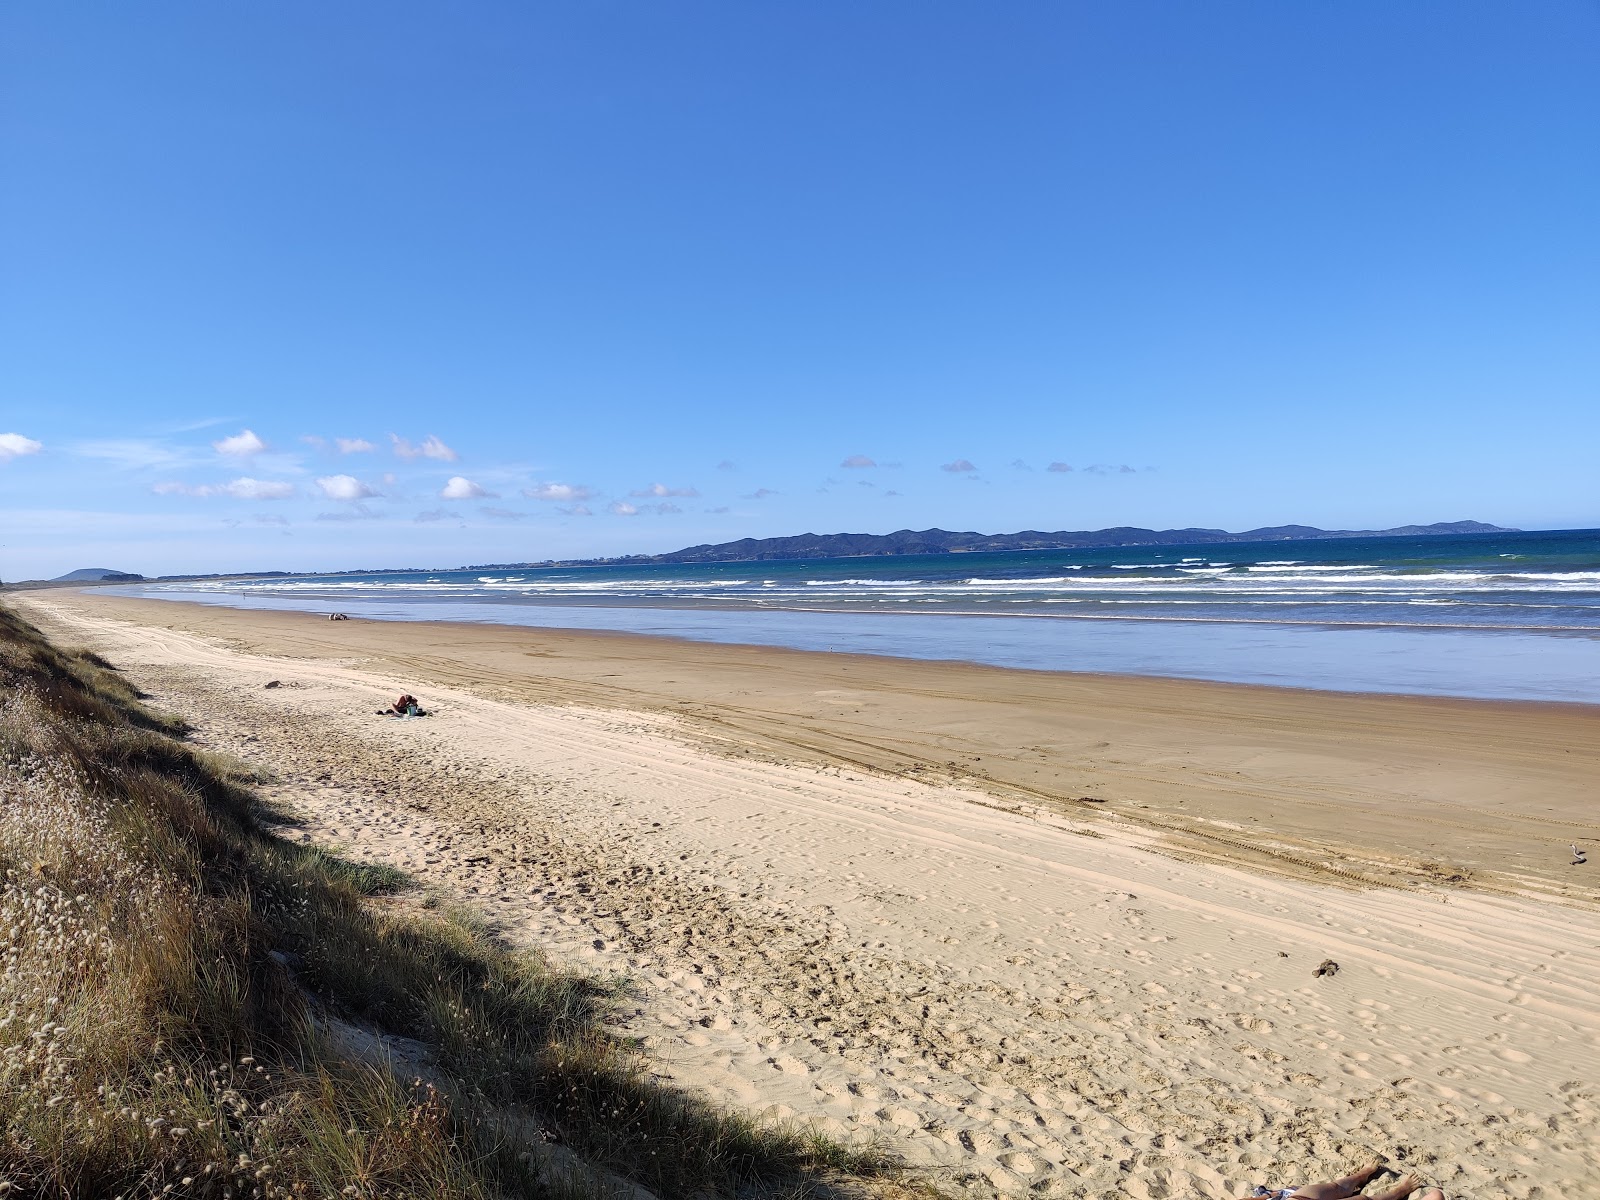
x=1502, y=616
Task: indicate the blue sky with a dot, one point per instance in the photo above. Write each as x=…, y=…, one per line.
x=582, y=279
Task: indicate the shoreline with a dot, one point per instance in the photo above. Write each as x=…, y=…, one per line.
x=1386, y=660
x=623, y=605
x=840, y=898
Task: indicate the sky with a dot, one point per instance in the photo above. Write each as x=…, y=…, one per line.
x=305, y=286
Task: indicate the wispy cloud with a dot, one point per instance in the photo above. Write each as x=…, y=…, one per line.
x=959, y=467
x=437, y=514
x=622, y=508
x=661, y=489
x=353, y=445
x=1018, y=464
x=246, y=488
x=1059, y=467
x=461, y=488
x=727, y=465
x=759, y=494
x=270, y=519
x=314, y=441
x=345, y=487
x=243, y=488
x=502, y=514
x=563, y=492
x=576, y=510
x=356, y=512
x=136, y=454
x=1108, y=469
x=243, y=444
x=430, y=447
x=14, y=445
x=858, y=462
x=716, y=511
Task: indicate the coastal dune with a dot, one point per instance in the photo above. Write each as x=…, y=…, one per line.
x=1036, y=931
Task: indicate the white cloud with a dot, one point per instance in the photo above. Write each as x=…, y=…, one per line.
x=353, y=445
x=665, y=509
x=858, y=462
x=577, y=510
x=622, y=508
x=661, y=489
x=241, y=445
x=462, y=488
x=431, y=447
x=959, y=467
x=315, y=442
x=345, y=487
x=14, y=445
x=559, y=491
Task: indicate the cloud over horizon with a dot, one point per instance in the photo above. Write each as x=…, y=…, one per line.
x=959, y=467
x=661, y=489
x=344, y=487
x=14, y=445
x=430, y=447
x=858, y=462
x=461, y=488
x=353, y=445
x=559, y=491
x=243, y=444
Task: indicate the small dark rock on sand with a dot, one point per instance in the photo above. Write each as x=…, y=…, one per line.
x=1326, y=967
x=273, y=683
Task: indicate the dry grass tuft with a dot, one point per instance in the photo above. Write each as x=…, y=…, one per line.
x=180, y=992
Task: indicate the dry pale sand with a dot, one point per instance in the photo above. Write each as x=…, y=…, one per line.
x=863, y=892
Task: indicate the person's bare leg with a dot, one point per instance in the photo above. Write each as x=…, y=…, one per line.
x=1348, y=1185
x=1404, y=1188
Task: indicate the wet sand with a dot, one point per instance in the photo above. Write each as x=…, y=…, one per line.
x=1040, y=931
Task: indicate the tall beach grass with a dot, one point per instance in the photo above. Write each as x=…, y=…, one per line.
x=191, y=1006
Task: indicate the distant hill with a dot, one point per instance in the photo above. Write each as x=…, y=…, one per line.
x=941, y=541
x=97, y=575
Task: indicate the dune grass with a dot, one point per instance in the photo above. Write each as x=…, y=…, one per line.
x=191, y=1006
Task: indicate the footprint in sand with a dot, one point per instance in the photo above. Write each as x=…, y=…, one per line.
x=789, y=1065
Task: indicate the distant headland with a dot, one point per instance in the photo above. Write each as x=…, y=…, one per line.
x=863, y=545
x=942, y=541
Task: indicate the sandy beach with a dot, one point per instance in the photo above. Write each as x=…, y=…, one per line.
x=1037, y=931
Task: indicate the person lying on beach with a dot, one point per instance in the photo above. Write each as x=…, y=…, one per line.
x=1351, y=1185
x=406, y=706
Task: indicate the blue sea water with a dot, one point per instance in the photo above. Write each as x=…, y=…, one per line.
x=1483, y=615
